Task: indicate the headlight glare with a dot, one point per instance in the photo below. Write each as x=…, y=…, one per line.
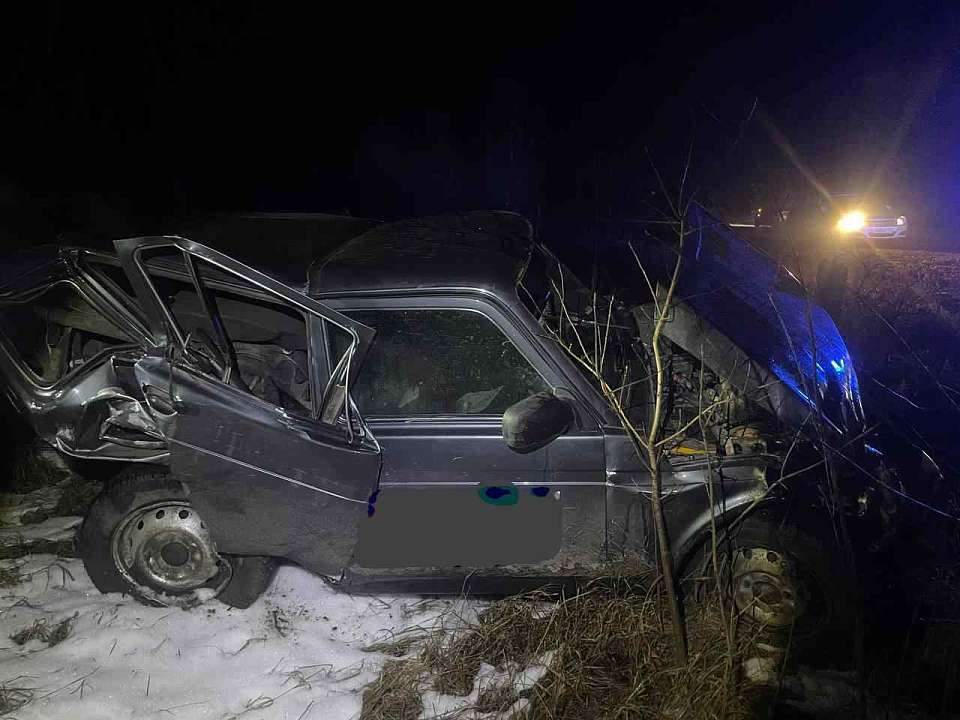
x=851, y=221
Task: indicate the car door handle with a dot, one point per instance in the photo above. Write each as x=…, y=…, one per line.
x=160, y=401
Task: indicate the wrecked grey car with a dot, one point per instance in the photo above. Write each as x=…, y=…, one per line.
x=394, y=415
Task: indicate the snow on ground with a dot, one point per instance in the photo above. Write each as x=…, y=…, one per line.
x=296, y=653
x=54, y=529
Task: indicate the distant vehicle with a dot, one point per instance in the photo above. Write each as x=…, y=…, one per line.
x=828, y=218
x=857, y=215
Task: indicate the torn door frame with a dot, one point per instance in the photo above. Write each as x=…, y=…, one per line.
x=84, y=411
x=167, y=333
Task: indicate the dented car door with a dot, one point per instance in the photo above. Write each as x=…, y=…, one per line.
x=275, y=464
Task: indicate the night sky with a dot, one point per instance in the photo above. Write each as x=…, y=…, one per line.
x=554, y=112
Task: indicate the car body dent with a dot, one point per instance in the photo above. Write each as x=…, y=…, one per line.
x=738, y=481
x=269, y=482
x=84, y=412
x=88, y=413
x=304, y=503
x=264, y=484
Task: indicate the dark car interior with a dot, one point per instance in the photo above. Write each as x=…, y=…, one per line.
x=269, y=339
x=58, y=331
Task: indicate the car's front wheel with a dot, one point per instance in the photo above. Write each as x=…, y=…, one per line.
x=143, y=538
x=782, y=580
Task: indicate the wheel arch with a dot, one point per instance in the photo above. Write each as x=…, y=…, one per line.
x=724, y=514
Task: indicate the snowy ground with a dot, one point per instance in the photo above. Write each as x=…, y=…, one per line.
x=296, y=653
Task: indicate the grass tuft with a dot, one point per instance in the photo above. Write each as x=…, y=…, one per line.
x=608, y=655
x=395, y=695
x=41, y=630
x=13, y=698
x=496, y=698
x=60, y=632
x=36, y=631
x=399, y=645
x=42, y=546
x=9, y=575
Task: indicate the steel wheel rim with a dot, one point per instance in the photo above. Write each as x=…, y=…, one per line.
x=165, y=550
x=767, y=588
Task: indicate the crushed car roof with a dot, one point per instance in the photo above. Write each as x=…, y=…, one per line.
x=474, y=250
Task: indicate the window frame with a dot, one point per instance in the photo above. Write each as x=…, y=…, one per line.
x=28, y=372
x=87, y=267
x=407, y=302
x=251, y=293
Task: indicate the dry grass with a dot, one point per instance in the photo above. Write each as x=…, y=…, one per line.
x=36, y=631
x=395, y=695
x=9, y=575
x=609, y=653
x=13, y=698
x=496, y=698
x=43, y=631
x=400, y=644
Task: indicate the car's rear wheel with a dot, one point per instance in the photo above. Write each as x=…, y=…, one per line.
x=142, y=538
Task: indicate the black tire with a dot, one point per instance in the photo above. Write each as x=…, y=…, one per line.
x=251, y=576
x=138, y=487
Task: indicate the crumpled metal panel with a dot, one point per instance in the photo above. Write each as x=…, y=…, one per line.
x=266, y=483
x=764, y=310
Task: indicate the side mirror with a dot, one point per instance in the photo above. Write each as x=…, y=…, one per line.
x=535, y=422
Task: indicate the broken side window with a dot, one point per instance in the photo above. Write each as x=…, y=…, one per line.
x=111, y=276
x=116, y=278
x=439, y=362
x=58, y=331
x=108, y=274
x=266, y=352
